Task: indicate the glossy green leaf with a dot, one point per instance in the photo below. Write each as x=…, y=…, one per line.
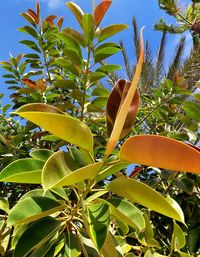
x=23, y=171
x=99, y=220
x=109, y=248
x=65, y=127
x=65, y=84
x=72, y=245
x=4, y=205
x=192, y=109
x=36, y=235
x=111, y=31
x=68, y=66
x=78, y=37
x=178, y=238
x=56, y=172
x=140, y=193
x=88, y=28
x=110, y=170
x=73, y=55
x=104, y=53
x=127, y=213
x=77, y=11
x=33, y=208
x=41, y=154
x=29, y=30
x=107, y=68
x=38, y=192
x=31, y=44
x=96, y=76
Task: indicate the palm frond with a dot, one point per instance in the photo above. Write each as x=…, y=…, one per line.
x=136, y=38
x=160, y=60
x=176, y=62
x=129, y=71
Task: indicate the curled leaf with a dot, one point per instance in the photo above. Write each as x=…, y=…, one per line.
x=114, y=104
x=122, y=114
x=50, y=19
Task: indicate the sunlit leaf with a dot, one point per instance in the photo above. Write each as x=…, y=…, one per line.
x=111, y=31
x=4, y=204
x=178, y=238
x=65, y=127
x=101, y=10
x=109, y=248
x=99, y=220
x=167, y=153
x=77, y=11
x=104, y=53
x=32, y=208
x=41, y=154
x=56, y=172
x=88, y=28
x=39, y=107
x=23, y=171
x=140, y=193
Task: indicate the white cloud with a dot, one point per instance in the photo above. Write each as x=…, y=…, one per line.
x=54, y=4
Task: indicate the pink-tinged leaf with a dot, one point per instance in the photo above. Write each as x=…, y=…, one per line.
x=124, y=109
x=33, y=15
x=115, y=101
x=162, y=152
x=50, y=19
x=101, y=10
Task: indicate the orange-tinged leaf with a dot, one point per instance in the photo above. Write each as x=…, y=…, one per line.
x=162, y=152
x=115, y=101
x=38, y=10
x=29, y=18
x=30, y=83
x=41, y=84
x=122, y=114
x=50, y=19
x=101, y=10
x=33, y=15
x=19, y=57
x=60, y=22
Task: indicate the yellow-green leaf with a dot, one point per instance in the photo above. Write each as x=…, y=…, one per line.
x=162, y=152
x=111, y=31
x=65, y=127
x=140, y=193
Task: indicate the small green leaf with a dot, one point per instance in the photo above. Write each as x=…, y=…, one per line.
x=192, y=110
x=127, y=213
x=109, y=68
x=73, y=56
x=23, y=171
x=41, y=154
x=111, y=30
x=96, y=76
x=88, y=28
x=32, y=208
x=99, y=220
x=104, y=53
x=36, y=235
x=30, y=44
x=131, y=189
x=65, y=84
x=29, y=30
x=4, y=205
x=178, y=238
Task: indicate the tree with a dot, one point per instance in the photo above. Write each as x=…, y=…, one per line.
x=85, y=202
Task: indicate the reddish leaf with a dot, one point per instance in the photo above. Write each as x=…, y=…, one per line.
x=29, y=18
x=38, y=10
x=41, y=85
x=101, y=10
x=50, y=19
x=60, y=22
x=19, y=57
x=124, y=109
x=30, y=83
x=114, y=104
x=33, y=15
x=162, y=152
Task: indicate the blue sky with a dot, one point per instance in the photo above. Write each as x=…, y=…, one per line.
x=121, y=11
